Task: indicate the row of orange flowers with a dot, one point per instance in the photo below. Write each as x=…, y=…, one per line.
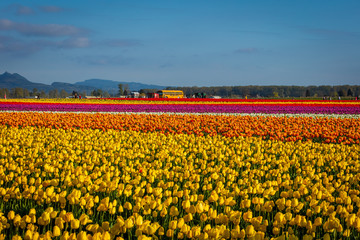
x=323, y=129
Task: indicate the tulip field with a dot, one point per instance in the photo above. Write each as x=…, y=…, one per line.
x=179, y=169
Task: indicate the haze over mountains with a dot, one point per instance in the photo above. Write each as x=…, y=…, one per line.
x=9, y=81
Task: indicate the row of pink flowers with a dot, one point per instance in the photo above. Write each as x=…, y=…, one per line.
x=297, y=108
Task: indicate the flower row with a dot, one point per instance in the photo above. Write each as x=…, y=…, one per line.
x=125, y=184
x=184, y=108
x=336, y=130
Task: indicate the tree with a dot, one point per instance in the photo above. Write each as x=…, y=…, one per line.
x=5, y=93
x=43, y=94
x=341, y=93
x=63, y=93
x=26, y=93
x=307, y=93
x=97, y=93
x=17, y=92
x=34, y=92
x=349, y=93
x=54, y=93
x=83, y=93
x=105, y=94
x=121, y=89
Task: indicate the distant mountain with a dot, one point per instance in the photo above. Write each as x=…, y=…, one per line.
x=68, y=87
x=112, y=86
x=9, y=81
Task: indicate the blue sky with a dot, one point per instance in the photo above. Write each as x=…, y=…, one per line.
x=183, y=43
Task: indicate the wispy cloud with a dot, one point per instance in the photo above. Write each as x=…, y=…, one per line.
x=166, y=65
x=122, y=43
x=246, y=50
x=16, y=47
x=19, y=47
x=104, y=60
x=36, y=37
x=51, y=9
x=329, y=32
x=76, y=42
x=45, y=30
x=19, y=9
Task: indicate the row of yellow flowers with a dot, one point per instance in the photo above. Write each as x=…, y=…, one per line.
x=110, y=184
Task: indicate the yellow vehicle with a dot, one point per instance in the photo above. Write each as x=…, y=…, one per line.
x=171, y=94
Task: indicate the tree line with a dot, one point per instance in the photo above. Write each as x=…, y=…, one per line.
x=222, y=91
x=275, y=91
x=55, y=93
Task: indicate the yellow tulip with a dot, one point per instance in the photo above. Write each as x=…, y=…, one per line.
x=28, y=235
x=32, y=212
x=11, y=215
x=247, y=216
x=151, y=229
x=92, y=228
x=174, y=211
x=84, y=219
x=17, y=220
x=307, y=237
x=105, y=225
x=259, y=236
x=56, y=231
x=200, y=207
x=169, y=233
x=276, y=231
x=49, y=191
x=97, y=236
x=173, y=224
x=75, y=223
x=318, y=222
x=106, y=236
x=192, y=209
x=161, y=231
x=139, y=220
x=250, y=231
x=129, y=223
x=82, y=236
x=53, y=214
x=65, y=236
x=68, y=217
x=188, y=217
x=327, y=236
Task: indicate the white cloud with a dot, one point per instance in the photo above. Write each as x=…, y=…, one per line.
x=77, y=42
